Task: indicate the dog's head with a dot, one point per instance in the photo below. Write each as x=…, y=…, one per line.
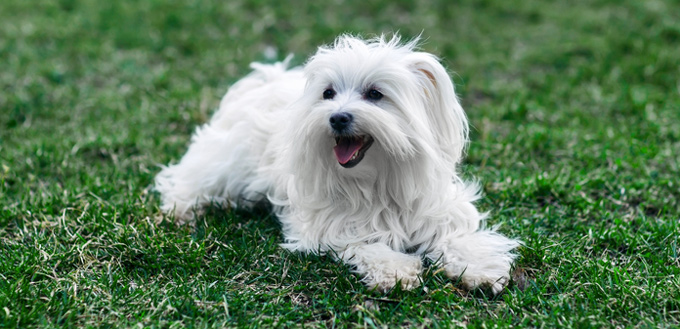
x=379, y=100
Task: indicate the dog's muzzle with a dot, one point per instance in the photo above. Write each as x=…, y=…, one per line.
x=350, y=148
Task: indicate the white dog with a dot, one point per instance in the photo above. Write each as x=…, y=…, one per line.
x=357, y=155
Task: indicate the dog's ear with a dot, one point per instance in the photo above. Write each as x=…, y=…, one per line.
x=445, y=114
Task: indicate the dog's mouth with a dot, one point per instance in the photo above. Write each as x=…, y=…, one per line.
x=350, y=150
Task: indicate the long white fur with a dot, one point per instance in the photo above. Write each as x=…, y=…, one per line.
x=270, y=141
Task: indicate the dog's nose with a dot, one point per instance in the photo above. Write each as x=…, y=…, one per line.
x=340, y=121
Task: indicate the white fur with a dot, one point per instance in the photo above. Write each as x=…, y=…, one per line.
x=271, y=141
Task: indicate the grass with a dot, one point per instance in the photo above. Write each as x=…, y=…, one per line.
x=576, y=114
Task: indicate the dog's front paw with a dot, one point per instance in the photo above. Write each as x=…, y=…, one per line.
x=483, y=258
x=471, y=277
x=385, y=275
x=382, y=268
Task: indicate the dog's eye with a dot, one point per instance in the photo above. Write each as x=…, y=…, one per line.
x=373, y=95
x=328, y=94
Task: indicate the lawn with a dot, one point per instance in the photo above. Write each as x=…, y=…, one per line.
x=575, y=108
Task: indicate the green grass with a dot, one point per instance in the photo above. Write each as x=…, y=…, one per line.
x=576, y=138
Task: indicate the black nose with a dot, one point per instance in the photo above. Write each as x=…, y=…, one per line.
x=340, y=121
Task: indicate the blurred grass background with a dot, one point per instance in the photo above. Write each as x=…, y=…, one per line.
x=575, y=108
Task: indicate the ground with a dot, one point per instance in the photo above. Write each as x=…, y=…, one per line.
x=575, y=108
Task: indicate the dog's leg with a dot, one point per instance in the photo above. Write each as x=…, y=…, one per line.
x=479, y=258
x=383, y=268
x=217, y=168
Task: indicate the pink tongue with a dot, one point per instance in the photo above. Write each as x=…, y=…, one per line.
x=346, y=148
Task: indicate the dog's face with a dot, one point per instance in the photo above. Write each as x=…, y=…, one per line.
x=371, y=102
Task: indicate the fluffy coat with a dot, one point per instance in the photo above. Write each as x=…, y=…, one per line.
x=397, y=200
